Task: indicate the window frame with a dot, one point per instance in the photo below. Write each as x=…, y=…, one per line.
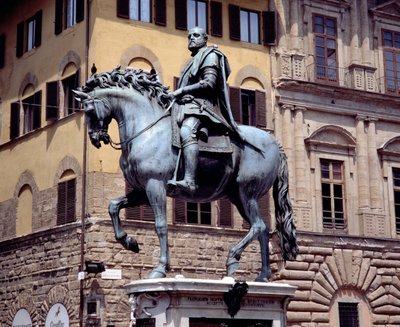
x=204, y=14
x=326, y=68
x=395, y=51
x=342, y=307
x=68, y=84
x=260, y=110
x=32, y=112
x=139, y=17
x=66, y=201
x=29, y=34
x=249, y=30
x=62, y=19
x=217, y=209
x=333, y=226
x=396, y=206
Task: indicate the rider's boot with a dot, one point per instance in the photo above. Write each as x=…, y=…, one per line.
x=190, y=156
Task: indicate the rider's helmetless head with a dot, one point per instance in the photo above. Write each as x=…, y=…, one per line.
x=197, y=39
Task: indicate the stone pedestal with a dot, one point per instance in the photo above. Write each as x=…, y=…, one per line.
x=184, y=302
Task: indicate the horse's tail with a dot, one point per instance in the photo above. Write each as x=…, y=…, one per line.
x=285, y=226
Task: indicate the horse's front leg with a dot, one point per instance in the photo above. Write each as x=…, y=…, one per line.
x=156, y=194
x=132, y=199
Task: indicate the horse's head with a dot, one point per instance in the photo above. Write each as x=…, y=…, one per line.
x=98, y=117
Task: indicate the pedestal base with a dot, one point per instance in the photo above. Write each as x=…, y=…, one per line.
x=184, y=302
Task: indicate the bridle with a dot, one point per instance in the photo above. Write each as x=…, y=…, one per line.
x=118, y=145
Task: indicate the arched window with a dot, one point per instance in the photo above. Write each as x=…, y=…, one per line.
x=26, y=113
x=60, y=101
x=66, y=198
x=140, y=63
x=24, y=211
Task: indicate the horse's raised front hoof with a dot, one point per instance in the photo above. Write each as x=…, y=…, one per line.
x=231, y=266
x=129, y=243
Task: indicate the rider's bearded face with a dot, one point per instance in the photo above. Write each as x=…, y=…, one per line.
x=196, y=39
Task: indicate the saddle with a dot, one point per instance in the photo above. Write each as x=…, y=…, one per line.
x=218, y=141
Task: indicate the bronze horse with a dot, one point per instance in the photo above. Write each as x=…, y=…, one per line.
x=140, y=104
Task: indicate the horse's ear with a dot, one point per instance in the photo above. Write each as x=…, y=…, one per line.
x=80, y=95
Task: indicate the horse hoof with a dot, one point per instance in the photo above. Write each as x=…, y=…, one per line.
x=157, y=274
x=129, y=243
x=132, y=244
x=263, y=278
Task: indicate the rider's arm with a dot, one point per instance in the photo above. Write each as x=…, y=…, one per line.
x=208, y=79
x=208, y=83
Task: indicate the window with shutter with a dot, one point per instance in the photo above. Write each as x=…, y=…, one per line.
x=2, y=49
x=32, y=112
x=269, y=28
x=14, y=120
x=66, y=201
x=68, y=13
x=244, y=25
x=235, y=102
x=181, y=14
x=261, y=110
x=52, y=92
x=192, y=213
x=70, y=83
x=38, y=28
x=225, y=213
x=29, y=34
x=248, y=106
x=20, y=39
x=58, y=24
x=160, y=12
x=216, y=18
x=234, y=22
x=142, y=213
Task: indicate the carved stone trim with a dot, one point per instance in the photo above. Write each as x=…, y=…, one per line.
x=28, y=79
x=138, y=51
x=58, y=294
x=24, y=300
x=70, y=57
x=330, y=136
x=68, y=162
x=253, y=72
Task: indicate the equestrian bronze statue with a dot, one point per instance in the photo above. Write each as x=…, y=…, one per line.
x=243, y=169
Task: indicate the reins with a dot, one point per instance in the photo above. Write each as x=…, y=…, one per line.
x=117, y=145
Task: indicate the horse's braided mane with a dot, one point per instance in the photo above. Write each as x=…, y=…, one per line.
x=137, y=79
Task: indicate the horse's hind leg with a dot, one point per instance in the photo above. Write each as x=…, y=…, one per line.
x=248, y=208
x=130, y=200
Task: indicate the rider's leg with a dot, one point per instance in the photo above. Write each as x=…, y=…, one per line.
x=190, y=153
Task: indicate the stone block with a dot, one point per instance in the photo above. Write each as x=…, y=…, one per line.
x=320, y=317
x=303, y=306
x=376, y=294
x=296, y=316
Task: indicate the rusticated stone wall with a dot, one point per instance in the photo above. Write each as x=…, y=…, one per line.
x=330, y=269
x=41, y=269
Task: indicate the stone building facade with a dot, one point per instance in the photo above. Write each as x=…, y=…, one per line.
x=321, y=75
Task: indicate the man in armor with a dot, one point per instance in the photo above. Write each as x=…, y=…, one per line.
x=202, y=96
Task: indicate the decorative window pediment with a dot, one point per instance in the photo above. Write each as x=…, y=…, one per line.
x=391, y=150
x=328, y=138
x=388, y=9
